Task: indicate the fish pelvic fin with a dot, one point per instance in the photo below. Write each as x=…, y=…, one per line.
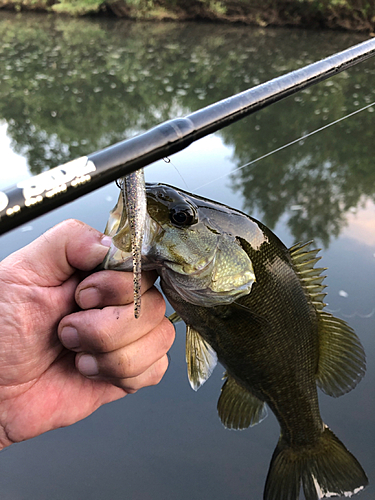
x=201, y=359
x=342, y=360
x=326, y=469
x=238, y=408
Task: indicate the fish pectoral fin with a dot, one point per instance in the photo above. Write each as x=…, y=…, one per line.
x=201, y=359
x=342, y=360
x=174, y=318
x=238, y=408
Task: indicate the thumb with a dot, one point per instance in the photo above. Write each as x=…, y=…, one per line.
x=53, y=257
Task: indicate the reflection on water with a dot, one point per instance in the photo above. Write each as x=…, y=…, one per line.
x=70, y=87
x=314, y=182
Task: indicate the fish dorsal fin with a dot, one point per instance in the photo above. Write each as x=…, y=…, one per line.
x=201, y=359
x=341, y=356
x=342, y=360
x=238, y=408
x=304, y=261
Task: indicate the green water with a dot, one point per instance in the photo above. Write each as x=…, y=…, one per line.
x=70, y=87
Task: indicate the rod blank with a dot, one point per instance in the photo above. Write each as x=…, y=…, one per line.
x=51, y=189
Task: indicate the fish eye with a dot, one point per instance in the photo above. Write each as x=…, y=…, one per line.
x=183, y=215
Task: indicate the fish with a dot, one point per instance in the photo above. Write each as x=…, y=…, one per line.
x=133, y=195
x=256, y=307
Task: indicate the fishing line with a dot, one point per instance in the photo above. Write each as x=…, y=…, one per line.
x=287, y=145
x=119, y=182
x=168, y=160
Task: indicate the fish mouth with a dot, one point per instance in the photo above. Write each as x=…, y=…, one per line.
x=118, y=259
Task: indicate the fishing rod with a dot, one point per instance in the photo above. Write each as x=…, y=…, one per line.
x=51, y=189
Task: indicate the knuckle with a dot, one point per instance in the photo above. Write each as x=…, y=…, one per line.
x=130, y=387
x=126, y=365
x=150, y=378
x=167, y=334
x=116, y=286
x=131, y=390
x=68, y=225
x=159, y=371
x=103, y=341
x=72, y=223
x=100, y=339
x=118, y=366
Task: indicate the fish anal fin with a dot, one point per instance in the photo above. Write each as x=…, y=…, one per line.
x=238, y=408
x=201, y=359
x=342, y=360
x=325, y=469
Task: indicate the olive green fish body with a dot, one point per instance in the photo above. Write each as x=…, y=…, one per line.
x=257, y=307
x=267, y=340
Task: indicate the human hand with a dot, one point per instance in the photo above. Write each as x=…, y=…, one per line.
x=58, y=363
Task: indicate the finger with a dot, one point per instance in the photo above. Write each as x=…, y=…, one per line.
x=133, y=359
x=108, y=329
x=53, y=257
x=152, y=376
x=110, y=288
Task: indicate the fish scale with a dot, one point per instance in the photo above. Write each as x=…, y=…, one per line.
x=257, y=307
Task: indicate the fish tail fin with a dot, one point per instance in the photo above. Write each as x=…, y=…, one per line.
x=326, y=469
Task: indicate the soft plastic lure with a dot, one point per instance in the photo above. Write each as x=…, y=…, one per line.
x=134, y=197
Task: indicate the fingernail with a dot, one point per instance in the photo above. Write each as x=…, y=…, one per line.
x=88, y=298
x=87, y=365
x=69, y=337
x=106, y=241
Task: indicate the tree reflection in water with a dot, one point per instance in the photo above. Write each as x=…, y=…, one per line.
x=73, y=87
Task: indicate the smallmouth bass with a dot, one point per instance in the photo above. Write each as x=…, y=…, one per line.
x=257, y=307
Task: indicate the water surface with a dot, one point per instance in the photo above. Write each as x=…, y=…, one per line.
x=70, y=87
